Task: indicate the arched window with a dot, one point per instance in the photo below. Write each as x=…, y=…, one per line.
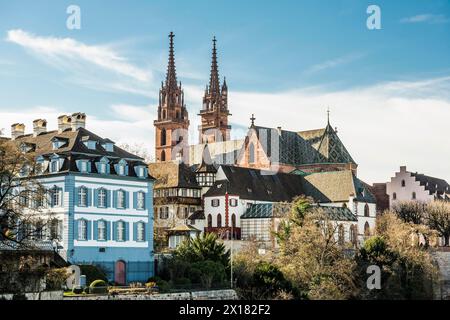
x=163, y=137
x=164, y=114
x=121, y=199
x=219, y=220
x=163, y=155
x=209, y=221
x=366, y=229
x=120, y=231
x=353, y=234
x=251, y=153
x=394, y=196
x=178, y=114
x=233, y=220
x=101, y=201
x=403, y=183
x=341, y=235
x=413, y=196
x=366, y=210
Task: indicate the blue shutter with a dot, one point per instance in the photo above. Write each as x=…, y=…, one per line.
x=108, y=198
x=144, y=226
x=77, y=190
x=126, y=170
x=108, y=168
x=127, y=230
x=114, y=225
x=95, y=230
x=95, y=197
x=135, y=200
x=127, y=199
x=89, y=166
x=135, y=231
x=115, y=199
x=108, y=230
x=88, y=229
x=75, y=229
x=89, y=197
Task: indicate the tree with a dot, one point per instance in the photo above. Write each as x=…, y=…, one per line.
x=202, y=248
x=406, y=267
x=311, y=257
x=410, y=211
x=137, y=149
x=22, y=197
x=438, y=218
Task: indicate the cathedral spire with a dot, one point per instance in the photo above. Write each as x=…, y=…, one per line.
x=171, y=76
x=214, y=83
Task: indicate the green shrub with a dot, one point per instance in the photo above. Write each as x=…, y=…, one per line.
x=87, y=290
x=93, y=272
x=98, y=287
x=163, y=286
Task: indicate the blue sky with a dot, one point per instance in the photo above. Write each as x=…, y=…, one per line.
x=285, y=61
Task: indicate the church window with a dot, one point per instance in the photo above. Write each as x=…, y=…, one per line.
x=209, y=221
x=163, y=155
x=413, y=196
x=163, y=137
x=366, y=210
x=403, y=183
x=251, y=152
x=341, y=235
x=233, y=220
x=219, y=220
x=366, y=229
x=394, y=196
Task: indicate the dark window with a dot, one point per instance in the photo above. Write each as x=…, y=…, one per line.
x=394, y=196
x=209, y=221
x=366, y=210
x=341, y=234
x=366, y=229
x=233, y=202
x=215, y=202
x=233, y=220
x=219, y=220
x=163, y=137
x=163, y=155
x=414, y=196
x=403, y=183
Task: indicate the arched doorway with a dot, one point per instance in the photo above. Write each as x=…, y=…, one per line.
x=120, y=272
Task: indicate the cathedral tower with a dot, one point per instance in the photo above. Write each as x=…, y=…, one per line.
x=173, y=121
x=214, y=114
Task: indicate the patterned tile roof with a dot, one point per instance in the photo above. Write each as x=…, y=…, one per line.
x=339, y=213
x=433, y=185
x=304, y=147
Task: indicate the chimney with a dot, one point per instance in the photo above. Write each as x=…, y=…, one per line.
x=64, y=123
x=279, y=130
x=39, y=126
x=17, y=130
x=78, y=121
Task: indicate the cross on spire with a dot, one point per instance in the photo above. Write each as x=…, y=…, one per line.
x=171, y=77
x=214, y=85
x=253, y=120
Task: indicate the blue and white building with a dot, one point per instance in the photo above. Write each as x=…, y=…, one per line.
x=100, y=197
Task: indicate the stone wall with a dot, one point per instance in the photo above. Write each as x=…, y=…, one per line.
x=44, y=295
x=442, y=289
x=197, y=295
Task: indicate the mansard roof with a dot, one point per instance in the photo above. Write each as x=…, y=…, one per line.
x=303, y=147
x=75, y=149
x=171, y=174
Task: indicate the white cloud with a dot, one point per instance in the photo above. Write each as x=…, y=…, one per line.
x=67, y=51
x=426, y=18
x=383, y=126
x=333, y=63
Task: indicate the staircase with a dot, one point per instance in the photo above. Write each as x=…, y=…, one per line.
x=442, y=258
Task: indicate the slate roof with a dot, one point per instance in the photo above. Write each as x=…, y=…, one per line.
x=75, y=149
x=265, y=210
x=197, y=215
x=172, y=174
x=432, y=184
x=304, y=147
x=254, y=184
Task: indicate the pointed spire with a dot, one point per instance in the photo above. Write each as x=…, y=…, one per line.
x=224, y=86
x=214, y=83
x=171, y=76
x=328, y=116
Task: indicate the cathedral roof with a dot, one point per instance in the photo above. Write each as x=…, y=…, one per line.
x=304, y=147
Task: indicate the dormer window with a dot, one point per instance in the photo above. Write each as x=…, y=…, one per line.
x=108, y=145
x=103, y=166
x=41, y=165
x=141, y=171
x=83, y=166
x=55, y=163
x=90, y=144
x=121, y=168
x=58, y=143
